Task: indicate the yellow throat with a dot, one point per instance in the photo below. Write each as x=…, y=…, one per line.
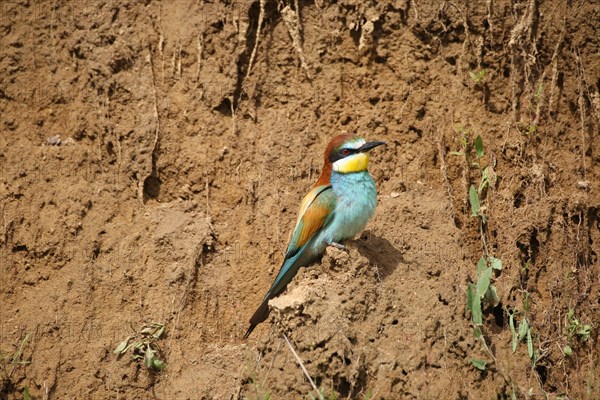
x=355, y=163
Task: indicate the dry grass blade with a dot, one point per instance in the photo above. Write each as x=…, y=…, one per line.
x=302, y=366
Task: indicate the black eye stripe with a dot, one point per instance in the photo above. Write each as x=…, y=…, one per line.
x=339, y=154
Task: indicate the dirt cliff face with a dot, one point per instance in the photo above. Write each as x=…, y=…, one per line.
x=153, y=156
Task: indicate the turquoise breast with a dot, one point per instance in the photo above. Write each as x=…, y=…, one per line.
x=355, y=204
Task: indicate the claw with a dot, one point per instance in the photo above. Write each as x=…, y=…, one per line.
x=337, y=245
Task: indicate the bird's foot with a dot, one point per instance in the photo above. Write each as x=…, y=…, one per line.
x=338, y=246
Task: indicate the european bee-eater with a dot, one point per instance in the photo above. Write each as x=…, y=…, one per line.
x=337, y=207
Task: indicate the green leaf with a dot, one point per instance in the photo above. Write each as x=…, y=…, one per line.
x=529, y=344
x=158, y=364
x=122, y=347
x=159, y=331
x=26, y=395
x=585, y=332
x=523, y=328
x=485, y=179
x=474, y=199
x=479, y=146
x=148, y=357
x=481, y=266
x=476, y=311
x=479, y=364
x=138, y=345
x=470, y=297
x=496, y=263
x=484, y=282
x=513, y=331
x=567, y=350
x=147, y=330
x=491, y=296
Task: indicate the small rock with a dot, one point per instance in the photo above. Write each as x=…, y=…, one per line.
x=223, y=152
x=393, y=195
x=583, y=185
x=53, y=140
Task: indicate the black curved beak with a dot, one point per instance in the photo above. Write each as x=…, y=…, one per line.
x=369, y=145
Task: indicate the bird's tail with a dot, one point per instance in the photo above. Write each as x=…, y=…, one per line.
x=261, y=314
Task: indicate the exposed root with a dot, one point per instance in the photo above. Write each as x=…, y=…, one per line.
x=490, y=7
x=200, y=47
x=154, y=152
x=444, y=170
x=292, y=22
x=312, y=383
x=582, y=112
x=261, y=17
x=523, y=54
x=554, y=90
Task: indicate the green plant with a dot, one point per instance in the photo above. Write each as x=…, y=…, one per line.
x=323, y=395
x=487, y=179
x=479, y=364
x=477, y=76
x=527, y=129
x=8, y=366
x=144, y=345
x=523, y=331
x=576, y=328
x=483, y=293
x=539, y=92
x=260, y=394
x=464, y=141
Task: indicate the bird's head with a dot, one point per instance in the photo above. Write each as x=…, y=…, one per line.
x=348, y=153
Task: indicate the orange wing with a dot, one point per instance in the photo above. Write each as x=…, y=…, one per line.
x=316, y=208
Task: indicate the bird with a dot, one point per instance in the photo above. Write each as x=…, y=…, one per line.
x=337, y=207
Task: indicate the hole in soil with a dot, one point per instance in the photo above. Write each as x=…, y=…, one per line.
x=506, y=72
x=19, y=247
x=344, y=387
x=374, y=100
x=95, y=251
x=395, y=322
x=224, y=107
x=542, y=372
x=219, y=25
x=451, y=60
x=151, y=188
x=535, y=245
x=457, y=222
x=560, y=81
x=442, y=300
x=121, y=64
x=418, y=131
x=524, y=250
x=519, y=199
x=498, y=313
x=110, y=148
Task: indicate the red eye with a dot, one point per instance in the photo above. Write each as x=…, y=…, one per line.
x=345, y=152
